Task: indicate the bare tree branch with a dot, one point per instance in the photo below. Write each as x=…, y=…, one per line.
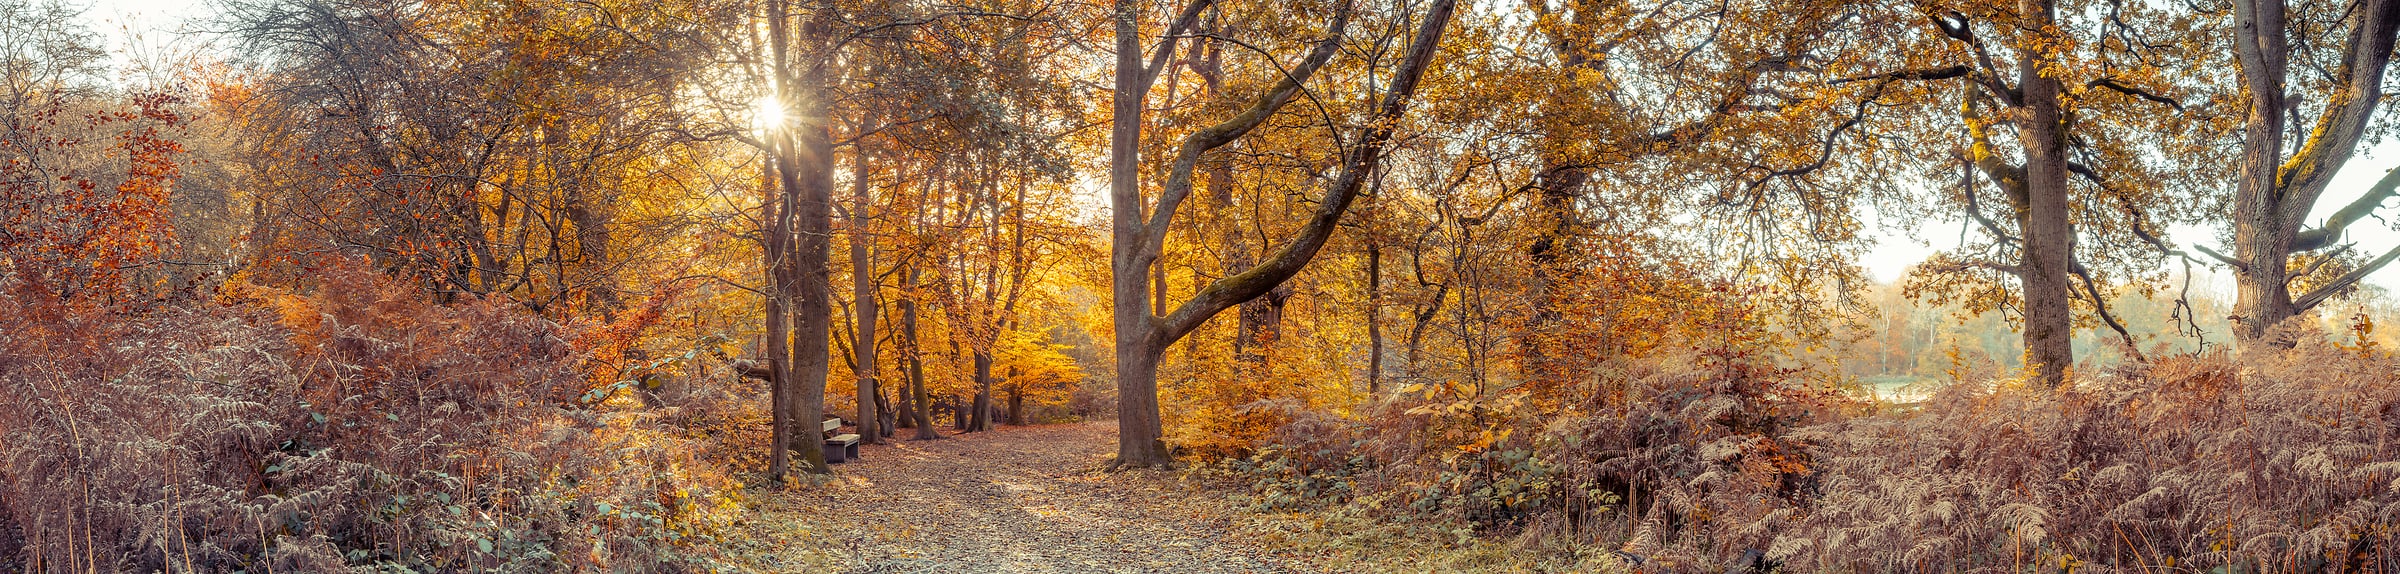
x=2092, y=289
x=2365, y=205
x=2338, y=284
x=2123, y=88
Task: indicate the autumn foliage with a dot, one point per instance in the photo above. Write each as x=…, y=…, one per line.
x=84, y=203
x=1566, y=285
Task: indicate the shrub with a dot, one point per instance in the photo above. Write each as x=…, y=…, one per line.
x=360, y=428
x=2278, y=459
x=2273, y=460
x=1690, y=443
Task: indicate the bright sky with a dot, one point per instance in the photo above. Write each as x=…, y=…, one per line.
x=143, y=26
x=142, y=30
x=1892, y=255
x=139, y=26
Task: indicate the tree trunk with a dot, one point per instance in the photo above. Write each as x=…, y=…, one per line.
x=806, y=155
x=590, y=219
x=2276, y=191
x=2259, y=237
x=778, y=335
x=920, y=402
x=1259, y=326
x=1374, y=318
x=2049, y=238
x=1140, y=439
x=1138, y=434
x=1016, y=407
x=982, y=421
x=809, y=290
x=960, y=416
x=862, y=296
x=488, y=272
x=885, y=422
x=591, y=246
x=904, y=413
x=1561, y=184
x=2262, y=297
x=778, y=389
x=1254, y=324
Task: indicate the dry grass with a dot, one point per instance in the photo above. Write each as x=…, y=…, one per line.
x=360, y=428
x=2278, y=460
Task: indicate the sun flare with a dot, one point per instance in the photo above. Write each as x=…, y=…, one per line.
x=766, y=113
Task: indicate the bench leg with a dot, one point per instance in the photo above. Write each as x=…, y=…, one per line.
x=850, y=451
x=834, y=453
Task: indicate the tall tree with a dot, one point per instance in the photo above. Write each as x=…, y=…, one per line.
x=489, y=150
x=2284, y=172
x=2056, y=109
x=863, y=298
x=1138, y=233
x=2049, y=239
x=804, y=173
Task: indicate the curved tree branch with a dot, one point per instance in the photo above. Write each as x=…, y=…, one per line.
x=2358, y=209
x=1247, y=285
x=2123, y=88
x=1187, y=157
x=2308, y=301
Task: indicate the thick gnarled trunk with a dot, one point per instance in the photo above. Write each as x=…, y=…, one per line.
x=2275, y=191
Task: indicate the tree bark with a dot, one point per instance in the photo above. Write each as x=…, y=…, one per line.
x=904, y=402
x=806, y=158
x=1138, y=434
x=862, y=296
x=980, y=421
x=1256, y=324
x=921, y=402
x=2275, y=193
x=779, y=377
x=1374, y=318
x=1016, y=402
x=2049, y=238
x=778, y=336
x=959, y=413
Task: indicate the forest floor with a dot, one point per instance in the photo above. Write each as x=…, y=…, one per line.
x=1018, y=499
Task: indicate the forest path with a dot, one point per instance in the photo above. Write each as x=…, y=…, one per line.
x=1018, y=499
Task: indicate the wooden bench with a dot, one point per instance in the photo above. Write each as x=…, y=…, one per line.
x=839, y=448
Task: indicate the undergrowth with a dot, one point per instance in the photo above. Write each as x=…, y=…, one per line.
x=355, y=428
x=2279, y=459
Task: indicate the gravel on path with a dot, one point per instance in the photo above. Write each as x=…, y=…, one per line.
x=1017, y=499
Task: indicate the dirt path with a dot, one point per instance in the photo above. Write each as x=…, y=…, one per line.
x=1021, y=499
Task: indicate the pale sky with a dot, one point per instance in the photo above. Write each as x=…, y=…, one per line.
x=145, y=26
x=139, y=26
x=1895, y=251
